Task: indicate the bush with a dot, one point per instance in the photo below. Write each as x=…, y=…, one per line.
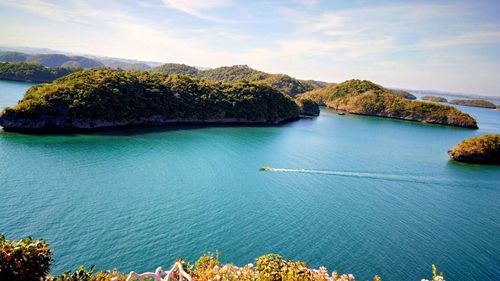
x=24, y=260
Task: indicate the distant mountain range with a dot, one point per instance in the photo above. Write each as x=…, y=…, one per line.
x=54, y=58
x=447, y=94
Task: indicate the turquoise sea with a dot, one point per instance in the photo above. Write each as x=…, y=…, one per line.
x=357, y=194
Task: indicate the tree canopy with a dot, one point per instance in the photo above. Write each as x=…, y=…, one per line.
x=135, y=97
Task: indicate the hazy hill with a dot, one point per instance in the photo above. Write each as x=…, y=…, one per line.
x=50, y=60
x=32, y=72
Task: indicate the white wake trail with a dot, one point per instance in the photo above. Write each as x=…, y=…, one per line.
x=381, y=176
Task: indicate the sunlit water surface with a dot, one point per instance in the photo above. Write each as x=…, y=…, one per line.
x=356, y=194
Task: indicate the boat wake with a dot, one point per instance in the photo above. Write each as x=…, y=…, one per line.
x=380, y=176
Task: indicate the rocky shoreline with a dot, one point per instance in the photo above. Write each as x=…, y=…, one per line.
x=62, y=125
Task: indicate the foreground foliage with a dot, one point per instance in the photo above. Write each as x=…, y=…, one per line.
x=475, y=103
x=482, y=149
x=105, y=98
x=24, y=260
x=32, y=72
x=270, y=267
x=367, y=98
x=28, y=260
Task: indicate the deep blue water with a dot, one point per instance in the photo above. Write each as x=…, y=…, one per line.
x=386, y=199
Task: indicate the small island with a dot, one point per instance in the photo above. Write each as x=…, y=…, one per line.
x=100, y=98
x=367, y=98
x=484, y=149
x=475, y=103
x=434, y=99
x=403, y=94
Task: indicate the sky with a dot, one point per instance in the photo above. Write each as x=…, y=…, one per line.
x=436, y=45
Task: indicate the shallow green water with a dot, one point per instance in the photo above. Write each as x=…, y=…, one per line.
x=376, y=196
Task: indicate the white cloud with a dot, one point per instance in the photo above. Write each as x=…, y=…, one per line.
x=402, y=45
x=468, y=38
x=199, y=9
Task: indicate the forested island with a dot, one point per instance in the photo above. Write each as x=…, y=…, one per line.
x=484, y=149
x=475, y=103
x=32, y=72
x=283, y=82
x=367, y=98
x=101, y=98
x=434, y=99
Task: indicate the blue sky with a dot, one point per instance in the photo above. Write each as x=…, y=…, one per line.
x=441, y=45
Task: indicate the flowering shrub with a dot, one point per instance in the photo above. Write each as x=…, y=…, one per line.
x=24, y=260
x=270, y=267
x=28, y=259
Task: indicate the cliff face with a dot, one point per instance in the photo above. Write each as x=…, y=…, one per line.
x=51, y=123
x=94, y=99
x=483, y=149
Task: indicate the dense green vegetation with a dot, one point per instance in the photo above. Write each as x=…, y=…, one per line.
x=475, y=103
x=366, y=98
x=308, y=106
x=104, y=98
x=285, y=83
x=24, y=260
x=31, y=72
x=482, y=149
x=403, y=94
x=177, y=68
x=434, y=99
x=50, y=60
